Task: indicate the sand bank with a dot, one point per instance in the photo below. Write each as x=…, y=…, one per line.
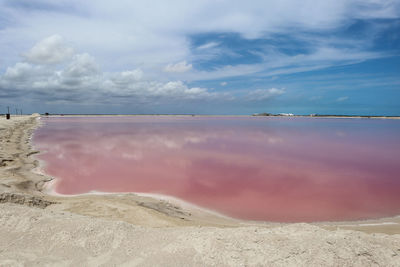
x=93, y=229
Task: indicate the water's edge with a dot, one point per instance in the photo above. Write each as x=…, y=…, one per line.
x=49, y=189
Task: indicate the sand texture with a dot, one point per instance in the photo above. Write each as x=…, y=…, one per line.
x=38, y=229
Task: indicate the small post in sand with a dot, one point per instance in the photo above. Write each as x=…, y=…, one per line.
x=8, y=113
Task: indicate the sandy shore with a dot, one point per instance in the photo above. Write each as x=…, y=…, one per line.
x=129, y=229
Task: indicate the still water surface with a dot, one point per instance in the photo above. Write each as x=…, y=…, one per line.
x=258, y=168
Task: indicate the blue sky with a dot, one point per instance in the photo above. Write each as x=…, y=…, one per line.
x=206, y=57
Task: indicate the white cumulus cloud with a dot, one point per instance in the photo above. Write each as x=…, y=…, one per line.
x=50, y=50
x=80, y=78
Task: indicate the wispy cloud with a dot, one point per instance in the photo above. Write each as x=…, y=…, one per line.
x=151, y=38
x=207, y=46
x=342, y=98
x=178, y=67
x=264, y=94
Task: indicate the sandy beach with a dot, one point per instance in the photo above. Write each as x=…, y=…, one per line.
x=38, y=228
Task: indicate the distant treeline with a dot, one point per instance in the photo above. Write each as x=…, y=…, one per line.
x=325, y=115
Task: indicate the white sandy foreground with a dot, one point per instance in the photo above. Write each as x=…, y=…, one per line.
x=92, y=230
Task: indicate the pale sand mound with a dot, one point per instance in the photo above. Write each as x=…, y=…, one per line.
x=33, y=236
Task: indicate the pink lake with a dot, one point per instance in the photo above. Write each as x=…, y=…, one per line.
x=255, y=168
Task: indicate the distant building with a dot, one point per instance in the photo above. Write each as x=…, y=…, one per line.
x=286, y=114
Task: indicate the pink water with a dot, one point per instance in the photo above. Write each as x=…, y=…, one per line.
x=258, y=168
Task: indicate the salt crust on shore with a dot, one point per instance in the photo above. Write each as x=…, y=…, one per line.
x=113, y=229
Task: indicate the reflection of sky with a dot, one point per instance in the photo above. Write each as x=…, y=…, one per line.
x=278, y=169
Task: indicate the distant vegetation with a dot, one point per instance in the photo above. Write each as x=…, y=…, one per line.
x=324, y=115
x=271, y=114
x=263, y=114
